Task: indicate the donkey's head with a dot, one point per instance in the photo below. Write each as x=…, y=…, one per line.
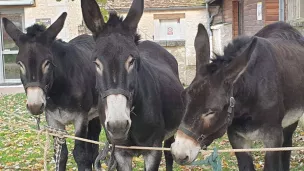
x=117, y=63
x=209, y=99
x=35, y=59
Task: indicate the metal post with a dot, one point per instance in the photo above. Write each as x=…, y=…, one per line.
x=281, y=10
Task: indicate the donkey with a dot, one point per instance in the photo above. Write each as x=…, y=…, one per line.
x=254, y=92
x=138, y=84
x=59, y=78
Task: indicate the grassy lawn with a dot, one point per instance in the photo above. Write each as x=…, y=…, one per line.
x=20, y=149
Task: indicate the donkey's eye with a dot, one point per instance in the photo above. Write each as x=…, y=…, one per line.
x=99, y=66
x=47, y=63
x=210, y=112
x=129, y=64
x=22, y=67
x=132, y=61
x=45, y=66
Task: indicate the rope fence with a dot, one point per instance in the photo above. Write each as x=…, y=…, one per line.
x=49, y=132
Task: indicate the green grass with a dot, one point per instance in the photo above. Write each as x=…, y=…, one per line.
x=20, y=149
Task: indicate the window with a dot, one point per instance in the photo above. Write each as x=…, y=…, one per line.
x=295, y=9
x=9, y=70
x=169, y=26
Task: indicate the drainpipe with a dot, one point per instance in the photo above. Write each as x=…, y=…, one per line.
x=209, y=29
x=281, y=10
x=210, y=19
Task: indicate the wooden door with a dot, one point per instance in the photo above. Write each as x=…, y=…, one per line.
x=235, y=18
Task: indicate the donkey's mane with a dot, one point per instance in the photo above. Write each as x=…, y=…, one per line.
x=115, y=21
x=231, y=50
x=34, y=31
x=278, y=30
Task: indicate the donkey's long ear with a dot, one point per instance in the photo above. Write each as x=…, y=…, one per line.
x=134, y=14
x=202, y=47
x=92, y=16
x=52, y=32
x=12, y=30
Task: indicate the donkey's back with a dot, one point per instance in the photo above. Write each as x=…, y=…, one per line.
x=286, y=45
x=85, y=43
x=155, y=54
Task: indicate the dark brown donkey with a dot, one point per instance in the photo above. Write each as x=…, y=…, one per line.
x=254, y=91
x=138, y=83
x=59, y=78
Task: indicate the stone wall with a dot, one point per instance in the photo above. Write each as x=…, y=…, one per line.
x=300, y=29
x=298, y=24
x=222, y=35
x=179, y=53
x=120, y=4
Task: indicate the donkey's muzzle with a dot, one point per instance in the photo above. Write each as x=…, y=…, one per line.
x=35, y=109
x=35, y=100
x=118, y=129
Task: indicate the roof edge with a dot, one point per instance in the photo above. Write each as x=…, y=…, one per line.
x=161, y=9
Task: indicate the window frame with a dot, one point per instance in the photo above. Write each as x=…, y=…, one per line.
x=295, y=10
x=2, y=52
x=174, y=16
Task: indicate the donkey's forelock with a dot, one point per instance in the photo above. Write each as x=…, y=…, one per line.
x=231, y=51
x=35, y=30
x=115, y=25
x=32, y=33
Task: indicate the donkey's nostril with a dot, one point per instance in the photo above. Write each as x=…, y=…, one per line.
x=185, y=159
x=107, y=125
x=127, y=124
x=42, y=107
x=117, y=126
x=173, y=155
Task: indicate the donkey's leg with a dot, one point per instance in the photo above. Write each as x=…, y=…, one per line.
x=124, y=159
x=94, y=130
x=64, y=151
x=152, y=158
x=168, y=155
x=245, y=161
x=288, y=131
x=80, y=155
x=272, y=138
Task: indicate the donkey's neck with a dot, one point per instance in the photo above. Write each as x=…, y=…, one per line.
x=59, y=51
x=60, y=73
